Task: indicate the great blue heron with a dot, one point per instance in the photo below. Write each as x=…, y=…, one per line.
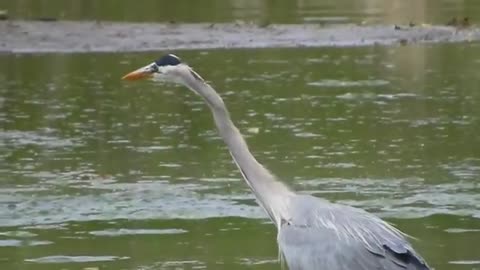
x=312, y=233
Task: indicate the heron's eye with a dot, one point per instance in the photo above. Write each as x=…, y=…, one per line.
x=154, y=68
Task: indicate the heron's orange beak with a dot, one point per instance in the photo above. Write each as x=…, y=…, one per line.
x=138, y=74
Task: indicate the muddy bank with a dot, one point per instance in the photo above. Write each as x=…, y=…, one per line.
x=66, y=36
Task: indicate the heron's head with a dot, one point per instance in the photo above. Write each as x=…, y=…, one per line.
x=169, y=68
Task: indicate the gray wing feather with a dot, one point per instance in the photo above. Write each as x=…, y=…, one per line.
x=322, y=235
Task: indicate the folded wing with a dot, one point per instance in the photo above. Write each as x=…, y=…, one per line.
x=321, y=235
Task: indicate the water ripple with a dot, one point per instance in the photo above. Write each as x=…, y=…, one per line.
x=97, y=200
x=402, y=198
x=465, y=262
x=344, y=83
x=33, y=138
x=122, y=232
x=74, y=259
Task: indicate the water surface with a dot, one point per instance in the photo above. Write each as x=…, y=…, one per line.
x=260, y=12
x=97, y=173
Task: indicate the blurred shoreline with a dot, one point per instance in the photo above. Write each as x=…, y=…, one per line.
x=78, y=37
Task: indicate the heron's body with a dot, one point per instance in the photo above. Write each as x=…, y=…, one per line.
x=312, y=233
x=338, y=237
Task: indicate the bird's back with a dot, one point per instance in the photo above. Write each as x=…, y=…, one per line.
x=322, y=235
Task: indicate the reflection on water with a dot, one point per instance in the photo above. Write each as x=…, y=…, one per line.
x=96, y=172
x=260, y=12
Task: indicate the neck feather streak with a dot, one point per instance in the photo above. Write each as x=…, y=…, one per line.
x=270, y=193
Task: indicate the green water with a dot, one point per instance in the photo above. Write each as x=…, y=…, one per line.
x=96, y=173
x=100, y=173
x=262, y=12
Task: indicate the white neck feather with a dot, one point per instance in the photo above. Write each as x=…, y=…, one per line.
x=271, y=194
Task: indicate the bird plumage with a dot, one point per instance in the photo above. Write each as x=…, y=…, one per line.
x=312, y=233
x=338, y=237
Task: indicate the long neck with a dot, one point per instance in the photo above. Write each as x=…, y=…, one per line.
x=271, y=194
